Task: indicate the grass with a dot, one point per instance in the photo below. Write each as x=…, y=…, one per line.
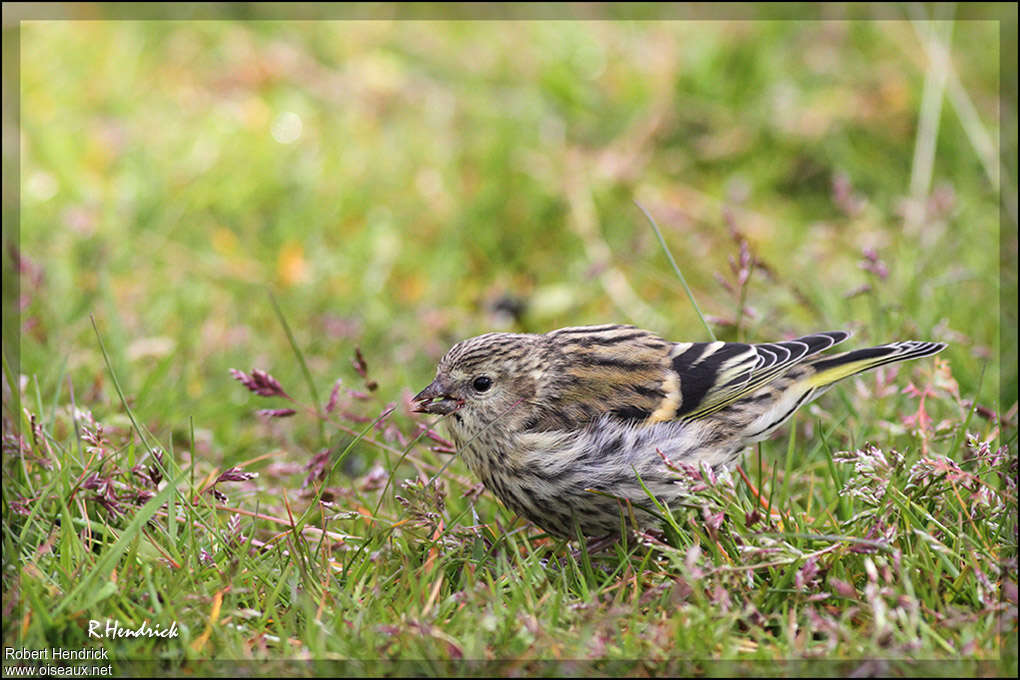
x=325, y=207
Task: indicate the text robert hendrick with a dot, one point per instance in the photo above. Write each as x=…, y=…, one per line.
x=55, y=654
x=113, y=629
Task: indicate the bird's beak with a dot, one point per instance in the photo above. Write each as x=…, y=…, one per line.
x=436, y=399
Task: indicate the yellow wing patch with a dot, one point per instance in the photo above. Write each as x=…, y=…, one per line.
x=670, y=403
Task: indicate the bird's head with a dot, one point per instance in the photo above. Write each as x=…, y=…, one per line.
x=489, y=381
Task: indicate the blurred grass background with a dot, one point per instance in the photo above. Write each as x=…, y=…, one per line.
x=400, y=185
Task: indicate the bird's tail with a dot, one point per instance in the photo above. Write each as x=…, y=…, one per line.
x=830, y=369
x=811, y=378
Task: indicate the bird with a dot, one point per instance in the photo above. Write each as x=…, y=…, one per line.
x=575, y=428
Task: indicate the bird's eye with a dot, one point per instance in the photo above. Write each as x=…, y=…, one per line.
x=482, y=383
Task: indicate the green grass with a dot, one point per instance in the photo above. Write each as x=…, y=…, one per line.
x=206, y=196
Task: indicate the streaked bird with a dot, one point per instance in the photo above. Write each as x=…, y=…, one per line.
x=561, y=426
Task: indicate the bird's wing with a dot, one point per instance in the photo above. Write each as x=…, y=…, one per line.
x=615, y=370
x=635, y=376
x=713, y=375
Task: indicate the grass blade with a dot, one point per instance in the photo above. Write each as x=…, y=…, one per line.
x=687, y=288
x=304, y=366
x=105, y=564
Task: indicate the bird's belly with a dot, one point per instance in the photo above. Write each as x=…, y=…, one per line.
x=563, y=510
x=562, y=499
x=598, y=484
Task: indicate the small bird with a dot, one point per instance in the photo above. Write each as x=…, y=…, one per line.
x=561, y=426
